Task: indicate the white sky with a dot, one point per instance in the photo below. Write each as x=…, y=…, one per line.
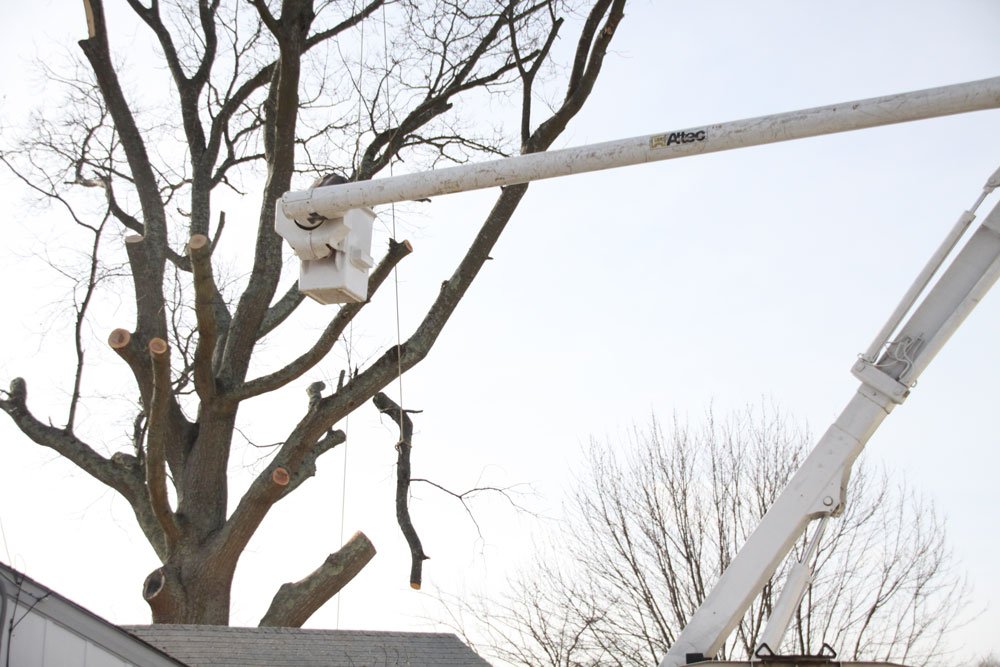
x=667, y=288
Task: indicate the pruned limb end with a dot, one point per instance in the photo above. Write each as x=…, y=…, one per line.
x=295, y=602
x=119, y=339
x=280, y=476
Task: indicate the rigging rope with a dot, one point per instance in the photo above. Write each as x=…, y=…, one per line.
x=392, y=208
x=349, y=343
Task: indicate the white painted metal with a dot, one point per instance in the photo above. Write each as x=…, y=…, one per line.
x=334, y=253
x=819, y=486
x=906, y=303
x=799, y=577
x=970, y=276
x=816, y=489
x=331, y=201
x=933, y=264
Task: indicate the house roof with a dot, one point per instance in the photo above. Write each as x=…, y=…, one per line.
x=222, y=646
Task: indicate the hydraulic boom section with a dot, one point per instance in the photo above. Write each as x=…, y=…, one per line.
x=330, y=230
x=818, y=488
x=329, y=227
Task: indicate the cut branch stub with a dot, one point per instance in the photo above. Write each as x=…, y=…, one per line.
x=280, y=476
x=158, y=347
x=206, y=292
x=197, y=242
x=158, y=592
x=89, y=11
x=119, y=339
x=295, y=602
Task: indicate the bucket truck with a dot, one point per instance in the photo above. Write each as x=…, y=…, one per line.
x=329, y=228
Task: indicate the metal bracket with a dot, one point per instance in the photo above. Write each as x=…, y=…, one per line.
x=880, y=381
x=826, y=654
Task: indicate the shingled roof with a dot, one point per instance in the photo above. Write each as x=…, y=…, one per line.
x=221, y=646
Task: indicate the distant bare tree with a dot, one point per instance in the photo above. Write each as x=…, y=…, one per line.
x=246, y=95
x=653, y=524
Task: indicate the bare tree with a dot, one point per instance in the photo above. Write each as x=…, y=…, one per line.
x=261, y=91
x=652, y=526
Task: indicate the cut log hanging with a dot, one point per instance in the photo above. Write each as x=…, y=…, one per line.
x=388, y=407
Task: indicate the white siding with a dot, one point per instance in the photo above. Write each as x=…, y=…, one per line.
x=26, y=643
x=40, y=642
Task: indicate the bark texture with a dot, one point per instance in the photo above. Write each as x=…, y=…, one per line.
x=249, y=103
x=404, y=445
x=296, y=602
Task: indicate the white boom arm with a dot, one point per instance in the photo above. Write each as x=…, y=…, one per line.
x=333, y=200
x=818, y=488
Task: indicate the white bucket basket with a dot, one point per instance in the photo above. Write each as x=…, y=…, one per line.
x=335, y=254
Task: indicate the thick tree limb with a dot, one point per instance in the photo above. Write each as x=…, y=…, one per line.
x=158, y=590
x=157, y=415
x=121, y=472
x=346, y=24
x=279, y=143
x=386, y=368
x=205, y=293
x=188, y=88
x=149, y=303
x=307, y=468
x=590, y=53
x=389, y=407
x=255, y=505
x=148, y=273
x=397, y=251
x=62, y=441
x=295, y=602
x=268, y=489
x=129, y=348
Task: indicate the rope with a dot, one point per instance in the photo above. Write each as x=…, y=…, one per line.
x=349, y=343
x=343, y=480
x=395, y=271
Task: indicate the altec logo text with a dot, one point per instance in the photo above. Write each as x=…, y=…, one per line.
x=664, y=140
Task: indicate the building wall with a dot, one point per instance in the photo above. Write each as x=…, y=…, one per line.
x=38, y=641
x=43, y=629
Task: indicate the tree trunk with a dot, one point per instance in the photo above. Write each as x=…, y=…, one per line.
x=188, y=590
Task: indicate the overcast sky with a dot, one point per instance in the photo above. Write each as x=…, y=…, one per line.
x=717, y=281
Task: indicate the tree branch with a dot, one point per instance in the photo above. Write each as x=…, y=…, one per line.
x=205, y=295
x=156, y=436
x=396, y=252
x=150, y=303
x=282, y=110
x=130, y=349
x=389, y=407
x=590, y=53
x=121, y=472
x=346, y=24
x=295, y=602
x=307, y=468
x=255, y=504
